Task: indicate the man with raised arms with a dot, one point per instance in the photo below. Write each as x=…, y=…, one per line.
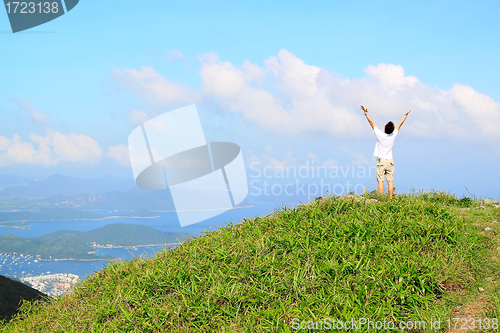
x=383, y=151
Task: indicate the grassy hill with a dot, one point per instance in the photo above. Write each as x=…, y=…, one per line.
x=12, y=293
x=417, y=257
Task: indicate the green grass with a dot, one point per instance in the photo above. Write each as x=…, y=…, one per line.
x=418, y=256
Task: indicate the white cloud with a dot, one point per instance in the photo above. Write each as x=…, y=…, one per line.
x=330, y=163
x=274, y=159
x=173, y=55
x=480, y=107
x=119, y=154
x=312, y=156
x=392, y=78
x=154, y=88
x=138, y=117
x=39, y=117
x=286, y=95
x=49, y=150
x=233, y=91
x=357, y=157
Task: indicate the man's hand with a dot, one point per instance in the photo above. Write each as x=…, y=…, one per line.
x=368, y=117
x=402, y=120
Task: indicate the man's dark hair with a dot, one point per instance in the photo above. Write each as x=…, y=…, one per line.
x=389, y=128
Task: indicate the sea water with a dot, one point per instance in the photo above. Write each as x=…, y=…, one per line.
x=21, y=265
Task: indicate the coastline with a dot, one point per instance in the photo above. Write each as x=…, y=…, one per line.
x=14, y=226
x=130, y=246
x=71, y=259
x=107, y=247
x=117, y=216
x=199, y=210
x=97, y=219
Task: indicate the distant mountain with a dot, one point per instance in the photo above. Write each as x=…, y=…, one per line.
x=111, y=193
x=7, y=180
x=109, y=178
x=56, y=248
x=68, y=186
x=134, y=199
x=12, y=293
x=122, y=234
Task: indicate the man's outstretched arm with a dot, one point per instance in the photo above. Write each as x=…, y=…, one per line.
x=402, y=120
x=368, y=117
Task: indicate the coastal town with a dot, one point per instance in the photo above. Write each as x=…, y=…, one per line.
x=53, y=285
x=33, y=271
x=28, y=268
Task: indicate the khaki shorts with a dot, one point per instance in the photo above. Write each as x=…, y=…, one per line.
x=385, y=168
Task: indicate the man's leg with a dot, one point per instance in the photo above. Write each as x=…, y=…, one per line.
x=389, y=176
x=381, y=187
x=391, y=189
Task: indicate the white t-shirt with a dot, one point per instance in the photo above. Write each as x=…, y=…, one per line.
x=383, y=147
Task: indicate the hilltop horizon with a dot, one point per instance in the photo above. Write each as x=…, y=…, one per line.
x=16, y=185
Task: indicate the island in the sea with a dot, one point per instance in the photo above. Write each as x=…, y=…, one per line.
x=77, y=245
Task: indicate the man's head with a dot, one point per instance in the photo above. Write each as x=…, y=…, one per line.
x=389, y=127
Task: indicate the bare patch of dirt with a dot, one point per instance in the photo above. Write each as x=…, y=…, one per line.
x=471, y=312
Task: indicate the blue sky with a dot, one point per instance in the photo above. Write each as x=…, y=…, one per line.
x=284, y=80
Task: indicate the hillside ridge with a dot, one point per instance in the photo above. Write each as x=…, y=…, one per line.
x=417, y=256
x=11, y=295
